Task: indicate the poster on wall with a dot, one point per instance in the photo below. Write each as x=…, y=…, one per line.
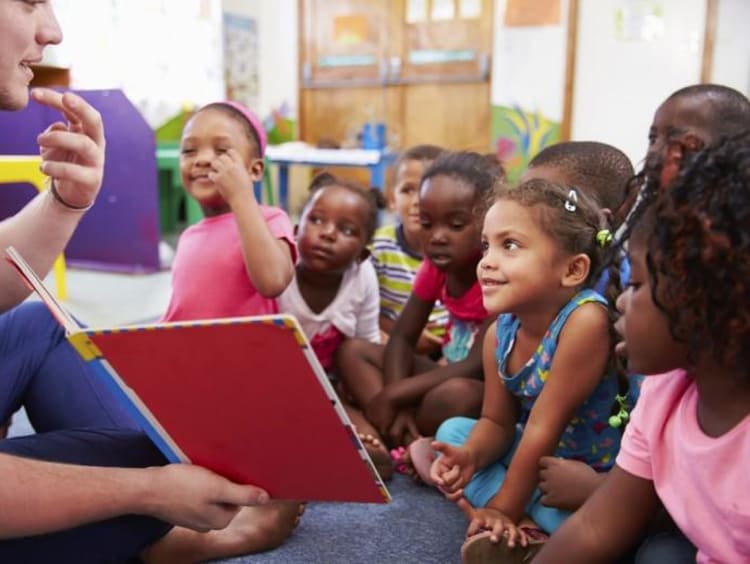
x=241, y=59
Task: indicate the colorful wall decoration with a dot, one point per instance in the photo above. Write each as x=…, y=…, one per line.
x=518, y=135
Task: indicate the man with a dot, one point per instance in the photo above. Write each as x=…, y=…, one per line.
x=89, y=486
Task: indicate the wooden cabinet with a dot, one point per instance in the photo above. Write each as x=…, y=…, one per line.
x=424, y=72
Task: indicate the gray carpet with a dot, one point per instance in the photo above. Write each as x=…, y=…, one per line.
x=418, y=526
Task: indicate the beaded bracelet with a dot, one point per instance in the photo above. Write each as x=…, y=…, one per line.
x=58, y=197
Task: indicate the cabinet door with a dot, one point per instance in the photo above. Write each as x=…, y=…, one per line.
x=343, y=42
x=424, y=70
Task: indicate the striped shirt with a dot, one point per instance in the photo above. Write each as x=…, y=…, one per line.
x=396, y=265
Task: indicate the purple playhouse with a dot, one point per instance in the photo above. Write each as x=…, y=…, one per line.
x=121, y=232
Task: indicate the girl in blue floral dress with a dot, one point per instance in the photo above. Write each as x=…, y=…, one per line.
x=549, y=383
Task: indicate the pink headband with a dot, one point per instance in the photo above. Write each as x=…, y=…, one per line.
x=254, y=122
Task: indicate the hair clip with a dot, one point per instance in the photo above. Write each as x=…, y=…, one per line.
x=604, y=237
x=622, y=416
x=571, y=203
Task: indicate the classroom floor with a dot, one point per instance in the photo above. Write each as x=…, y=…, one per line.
x=418, y=526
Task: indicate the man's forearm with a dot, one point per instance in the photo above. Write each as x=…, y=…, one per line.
x=40, y=497
x=40, y=232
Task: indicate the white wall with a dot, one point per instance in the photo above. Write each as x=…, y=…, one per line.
x=528, y=65
x=731, y=62
x=626, y=67
x=161, y=53
x=277, y=50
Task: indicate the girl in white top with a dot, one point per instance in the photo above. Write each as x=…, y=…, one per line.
x=334, y=293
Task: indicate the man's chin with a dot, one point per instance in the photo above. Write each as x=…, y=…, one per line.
x=14, y=100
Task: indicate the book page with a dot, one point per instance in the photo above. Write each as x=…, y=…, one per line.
x=35, y=284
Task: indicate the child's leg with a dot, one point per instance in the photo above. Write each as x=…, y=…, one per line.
x=457, y=397
x=370, y=438
x=549, y=519
x=359, y=367
x=486, y=483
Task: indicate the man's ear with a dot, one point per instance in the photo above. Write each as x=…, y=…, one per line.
x=577, y=271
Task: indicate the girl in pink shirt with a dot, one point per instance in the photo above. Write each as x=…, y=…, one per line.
x=398, y=395
x=240, y=257
x=686, y=318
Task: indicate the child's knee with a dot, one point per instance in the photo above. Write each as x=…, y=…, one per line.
x=455, y=431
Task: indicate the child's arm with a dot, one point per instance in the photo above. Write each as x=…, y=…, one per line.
x=577, y=368
x=409, y=391
x=428, y=342
x=399, y=352
x=490, y=437
x=609, y=522
x=268, y=260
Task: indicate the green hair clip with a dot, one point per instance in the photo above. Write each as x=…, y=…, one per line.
x=622, y=415
x=604, y=237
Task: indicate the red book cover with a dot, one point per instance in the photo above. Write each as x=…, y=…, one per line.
x=244, y=397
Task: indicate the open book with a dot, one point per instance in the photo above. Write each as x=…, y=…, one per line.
x=244, y=397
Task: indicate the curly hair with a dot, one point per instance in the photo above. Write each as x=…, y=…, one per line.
x=699, y=252
x=474, y=169
x=601, y=170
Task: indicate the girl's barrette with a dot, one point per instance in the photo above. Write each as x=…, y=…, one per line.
x=604, y=237
x=622, y=416
x=571, y=203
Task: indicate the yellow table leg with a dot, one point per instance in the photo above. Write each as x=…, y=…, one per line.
x=25, y=168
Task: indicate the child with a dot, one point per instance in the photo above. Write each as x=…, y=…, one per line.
x=334, y=293
x=397, y=248
x=548, y=386
x=692, y=117
x=685, y=319
x=241, y=256
x=404, y=395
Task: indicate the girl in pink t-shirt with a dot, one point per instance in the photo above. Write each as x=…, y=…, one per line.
x=686, y=319
x=240, y=257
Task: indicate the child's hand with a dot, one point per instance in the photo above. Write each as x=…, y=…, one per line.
x=404, y=428
x=428, y=342
x=230, y=174
x=566, y=484
x=381, y=412
x=500, y=526
x=452, y=470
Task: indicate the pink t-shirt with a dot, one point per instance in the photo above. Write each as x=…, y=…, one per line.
x=429, y=285
x=704, y=482
x=209, y=278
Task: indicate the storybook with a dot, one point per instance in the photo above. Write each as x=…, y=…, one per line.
x=244, y=397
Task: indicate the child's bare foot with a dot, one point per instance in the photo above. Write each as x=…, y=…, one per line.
x=416, y=460
x=378, y=454
x=254, y=529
